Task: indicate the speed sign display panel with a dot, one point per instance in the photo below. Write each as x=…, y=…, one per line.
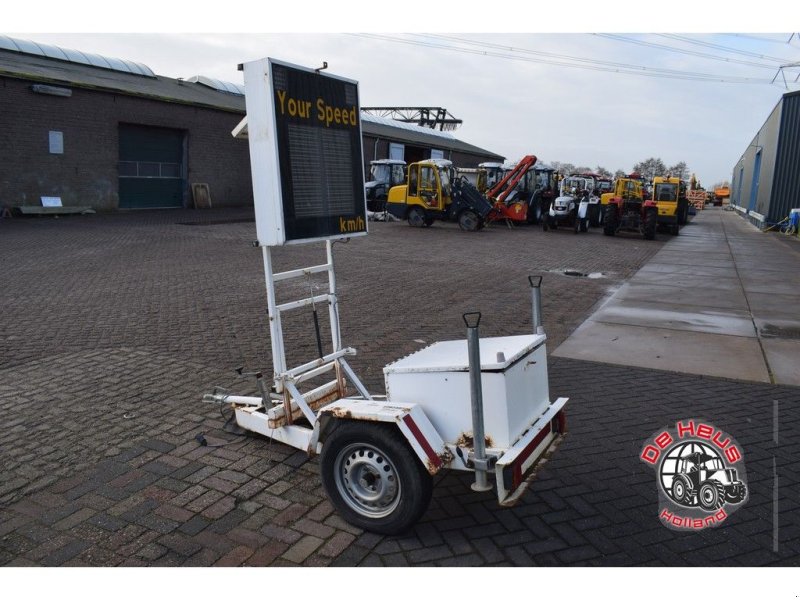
x=304, y=129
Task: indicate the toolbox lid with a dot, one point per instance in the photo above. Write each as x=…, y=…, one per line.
x=453, y=355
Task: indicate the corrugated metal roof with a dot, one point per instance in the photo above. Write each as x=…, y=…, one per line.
x=200, y=91
x=75, y=56
x=218, y=84
x=165, y=89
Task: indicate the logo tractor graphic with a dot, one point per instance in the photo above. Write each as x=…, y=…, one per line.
x=693, y=474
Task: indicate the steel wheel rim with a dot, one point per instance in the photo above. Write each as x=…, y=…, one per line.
x=708, y=496
x=367, y=480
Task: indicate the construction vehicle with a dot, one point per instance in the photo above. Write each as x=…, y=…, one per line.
x=721, y=194
x=539, y=187
x=489, y=173
x=384, y=174
x=509, y=202
x=627, y=210
x=702, y=478
x=630, y=186
x=669, y=194
x=433, y=191
x=604, y=185
x=571, y=207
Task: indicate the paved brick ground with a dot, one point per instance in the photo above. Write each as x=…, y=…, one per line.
x=113, y=326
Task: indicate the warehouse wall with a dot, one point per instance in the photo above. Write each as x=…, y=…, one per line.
x=86, y=173
x=785, y=195
x=765, y=142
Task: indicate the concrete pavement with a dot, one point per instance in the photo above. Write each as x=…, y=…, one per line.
x=721, y=299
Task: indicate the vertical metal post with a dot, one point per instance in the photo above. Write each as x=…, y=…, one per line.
x=536, y=300
x=472, y=320
x=333, y=307
x=274, y=315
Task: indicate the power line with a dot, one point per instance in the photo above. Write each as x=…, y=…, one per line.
x=684, y=51
x=763, y=39
x=720, y=47
x=588, y=64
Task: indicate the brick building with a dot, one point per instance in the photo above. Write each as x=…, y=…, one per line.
x=111, y=134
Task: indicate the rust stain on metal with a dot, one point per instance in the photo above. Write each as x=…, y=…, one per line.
x=445, y=456
x=341, y=413
x=465, y=440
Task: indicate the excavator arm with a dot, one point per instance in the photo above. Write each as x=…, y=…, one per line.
x=505, y=186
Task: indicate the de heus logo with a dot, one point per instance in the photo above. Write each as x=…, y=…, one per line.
x=701, y=474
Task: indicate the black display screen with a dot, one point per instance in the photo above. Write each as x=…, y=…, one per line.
x=319, y=151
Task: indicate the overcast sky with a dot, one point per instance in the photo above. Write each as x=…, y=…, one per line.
x=517, y=93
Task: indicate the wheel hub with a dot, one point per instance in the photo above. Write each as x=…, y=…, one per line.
x=368, y=480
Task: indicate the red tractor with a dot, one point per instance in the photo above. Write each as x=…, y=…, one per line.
x=628, y=210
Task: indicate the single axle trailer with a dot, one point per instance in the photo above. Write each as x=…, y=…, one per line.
x=474, y=405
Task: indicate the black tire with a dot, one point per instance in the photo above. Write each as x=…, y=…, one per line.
x=373, y=478
x=610, y=222
x=680, y=491
x=711, y=495
x=599, y=220
x=427, y=222
x=534, y=212
x=675, y=229
x=650, y=224
x=468, y=220
x=683, y=212
x=416, y=216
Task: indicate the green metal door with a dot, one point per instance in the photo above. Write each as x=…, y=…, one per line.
x=150, y=167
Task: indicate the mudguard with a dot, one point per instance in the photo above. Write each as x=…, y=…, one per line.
x=409, y=418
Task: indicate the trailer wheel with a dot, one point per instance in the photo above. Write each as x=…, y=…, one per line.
x=416, y=216
x=373, y=477
x=711, y=495
x=468, y=220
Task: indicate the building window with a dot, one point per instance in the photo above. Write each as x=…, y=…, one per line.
x=152, y=170
x=56, y=140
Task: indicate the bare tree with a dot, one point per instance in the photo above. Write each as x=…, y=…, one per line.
x=679, y=170
x=602, y=171
x=652, y=167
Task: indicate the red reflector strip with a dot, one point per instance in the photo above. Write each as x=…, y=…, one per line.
x=516, y=466
x=426, y=447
